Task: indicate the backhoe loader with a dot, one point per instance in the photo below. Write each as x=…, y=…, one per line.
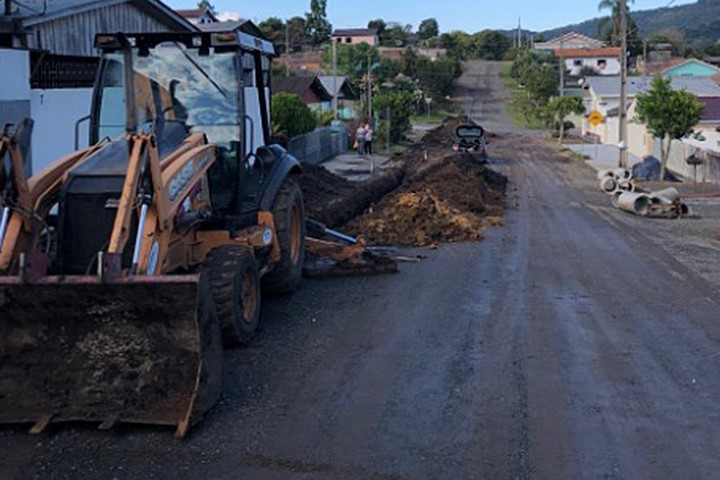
x=125, y=266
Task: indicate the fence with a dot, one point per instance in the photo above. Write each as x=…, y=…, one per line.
x=319, y=146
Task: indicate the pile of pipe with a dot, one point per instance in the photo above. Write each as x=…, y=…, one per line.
x=662, y=204
x=617, y=180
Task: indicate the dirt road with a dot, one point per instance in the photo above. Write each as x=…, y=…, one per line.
x=560, y=347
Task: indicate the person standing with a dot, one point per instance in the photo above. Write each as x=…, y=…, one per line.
x=360, y=138
x=368, y=139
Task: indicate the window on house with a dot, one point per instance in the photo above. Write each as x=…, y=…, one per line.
x=602, y=63
x=577, y=63
x=348, y=40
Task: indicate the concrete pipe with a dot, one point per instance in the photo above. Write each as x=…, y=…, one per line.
x=622, y=173
x=608, y=185
x=667, y=196
x=602, y=174
x=616, y=198
x=626, y=185
x=636, y=203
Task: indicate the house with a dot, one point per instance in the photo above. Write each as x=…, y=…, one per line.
x=642, y=143
x=242, y=25
x=602, y=61
x=396, y=53
x=49, y=63
x=569, y=40
x=679, y=67
x=346, y=95
x=68, y=27
x=353, y=36
x=309, y=62
x=198, y=16
x=310, y=89
x=602, y=94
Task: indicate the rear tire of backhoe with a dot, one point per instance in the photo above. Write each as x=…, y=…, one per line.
x=235, y=284
x=289, y=216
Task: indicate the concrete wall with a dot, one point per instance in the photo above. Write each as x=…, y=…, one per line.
x=319, y=146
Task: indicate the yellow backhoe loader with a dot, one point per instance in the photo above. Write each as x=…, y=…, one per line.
x=126, y=266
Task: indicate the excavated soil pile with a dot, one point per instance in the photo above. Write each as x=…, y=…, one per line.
x=449, y=202
x=321, y=189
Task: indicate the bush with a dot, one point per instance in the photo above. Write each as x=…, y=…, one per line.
x=290, y=116
x=401, y=109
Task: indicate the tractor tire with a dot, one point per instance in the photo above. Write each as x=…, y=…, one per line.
x=235, y=284
x=289, y=215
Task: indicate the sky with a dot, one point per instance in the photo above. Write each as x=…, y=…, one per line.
x=468, y=15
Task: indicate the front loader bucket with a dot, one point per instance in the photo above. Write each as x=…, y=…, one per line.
x=141, y=350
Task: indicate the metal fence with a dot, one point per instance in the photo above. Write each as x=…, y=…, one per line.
x=320, y=145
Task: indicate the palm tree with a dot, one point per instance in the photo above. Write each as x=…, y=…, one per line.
x=609, y=27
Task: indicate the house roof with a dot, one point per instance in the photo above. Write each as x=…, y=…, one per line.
x=243, y=25
x=605, y=52
x=653, y=68
x=34, y=12
x=355, y=32
x=573, y=36
x=609, y=86
x=299, y=86
x=195, y=13
x=712, y=109
x=337, y=85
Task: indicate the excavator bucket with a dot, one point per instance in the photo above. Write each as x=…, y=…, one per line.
x=138, y=350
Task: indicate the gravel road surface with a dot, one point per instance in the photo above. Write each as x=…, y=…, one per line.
x=565, y=345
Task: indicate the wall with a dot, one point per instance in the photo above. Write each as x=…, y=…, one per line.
x=319, y=146
x=14, y=87
x=75, y=34
x=55, y=113
x=612, y=66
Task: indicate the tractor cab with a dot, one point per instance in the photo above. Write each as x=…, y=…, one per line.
x=215, y=84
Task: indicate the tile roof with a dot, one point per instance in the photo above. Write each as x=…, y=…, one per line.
x=355, y=32
x=587, y=52
x=609, y=86
x=299, y=86
x=712, y=109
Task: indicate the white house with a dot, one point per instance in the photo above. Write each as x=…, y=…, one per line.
x=602, y=94
x=569, y=40
x=602, y=61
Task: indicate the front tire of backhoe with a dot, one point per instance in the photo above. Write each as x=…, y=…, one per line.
x=235, y=284
x=289, y=215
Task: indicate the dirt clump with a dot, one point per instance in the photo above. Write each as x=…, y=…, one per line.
x=321, y=188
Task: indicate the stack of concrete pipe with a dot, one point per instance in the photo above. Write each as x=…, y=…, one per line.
x=617, y=180
x=662, y=204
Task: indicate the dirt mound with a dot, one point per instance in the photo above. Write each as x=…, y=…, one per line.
x=321, y=188
x=447, y=203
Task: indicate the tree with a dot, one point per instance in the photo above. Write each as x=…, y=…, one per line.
x=400, y=104
x=297, y=32
x=609, y=27
x=668, y=114
x=491, y=45
x=559, y=108
x=318, y=26
x=428, y=29
x=291, y=116
x=205, y=4
x=378, y=24
x=274, y=30
x=395, y=35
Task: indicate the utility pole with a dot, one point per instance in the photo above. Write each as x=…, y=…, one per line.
x=562, y=67
x=369, y=86
x=622, y=159
x=335, y=86
x=287, y=49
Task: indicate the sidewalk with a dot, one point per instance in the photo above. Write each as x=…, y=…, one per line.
x=602, y=156
x=354, y=167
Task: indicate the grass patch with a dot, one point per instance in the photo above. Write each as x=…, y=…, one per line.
x=515, y=109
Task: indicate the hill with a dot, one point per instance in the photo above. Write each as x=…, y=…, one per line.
x=699, y=22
